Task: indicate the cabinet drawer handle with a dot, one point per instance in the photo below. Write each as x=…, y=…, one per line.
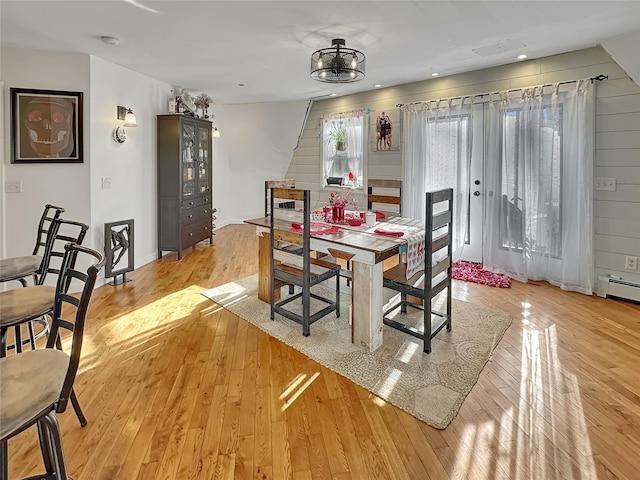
x=190, y=203
x=206, y=228
x=190, y=216
x=191, y=234
x=206, y=211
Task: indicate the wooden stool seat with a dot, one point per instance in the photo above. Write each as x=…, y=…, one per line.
x=19, y=267
x=31, y=381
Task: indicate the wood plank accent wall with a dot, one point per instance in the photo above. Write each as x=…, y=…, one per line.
x=617, y=142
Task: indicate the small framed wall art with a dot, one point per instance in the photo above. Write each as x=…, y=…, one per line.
x=46, y=126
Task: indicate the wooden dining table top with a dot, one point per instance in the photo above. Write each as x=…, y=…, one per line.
x=361, y=237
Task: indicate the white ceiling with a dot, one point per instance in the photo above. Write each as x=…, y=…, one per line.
x=213, y=46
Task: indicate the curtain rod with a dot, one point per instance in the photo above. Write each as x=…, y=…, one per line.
x=598, y=78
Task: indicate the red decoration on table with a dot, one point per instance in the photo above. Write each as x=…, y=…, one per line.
x=389, y=233
x=338, y=214
x=473, y=272
x=317, y=228
x=379, y=215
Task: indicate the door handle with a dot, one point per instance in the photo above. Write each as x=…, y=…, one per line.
x=477, y=182
x=476, y=193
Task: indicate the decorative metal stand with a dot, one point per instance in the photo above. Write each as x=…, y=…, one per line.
x=118, y=241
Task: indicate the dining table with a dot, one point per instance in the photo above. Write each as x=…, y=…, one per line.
x=369, y=250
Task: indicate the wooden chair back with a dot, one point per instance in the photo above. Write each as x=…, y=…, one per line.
x=268, y=185
x=384, y=191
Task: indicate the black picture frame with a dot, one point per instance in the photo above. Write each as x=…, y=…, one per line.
x=46, y=126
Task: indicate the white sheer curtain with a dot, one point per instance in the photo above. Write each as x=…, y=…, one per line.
x=437, y=154
x=538, y=184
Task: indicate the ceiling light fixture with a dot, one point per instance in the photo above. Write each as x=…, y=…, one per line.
x=435, y=74
x=521, y=56
x=110, y=40
x=337, y=64
x=377, y=85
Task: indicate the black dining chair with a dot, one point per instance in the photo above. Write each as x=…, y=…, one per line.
x=297, y=267
x=37, y=384
x=436, y=277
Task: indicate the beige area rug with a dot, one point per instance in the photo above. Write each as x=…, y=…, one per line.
x=430, y=387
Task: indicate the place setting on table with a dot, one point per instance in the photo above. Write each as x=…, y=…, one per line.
x=331, y=219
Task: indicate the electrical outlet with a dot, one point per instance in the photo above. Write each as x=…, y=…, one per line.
x=608, y=184
x=106, y=182
x=631, y=263
x=13, y=186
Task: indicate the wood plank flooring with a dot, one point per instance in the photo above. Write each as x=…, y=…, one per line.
x=175, y=387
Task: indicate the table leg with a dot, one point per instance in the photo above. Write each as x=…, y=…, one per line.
x=367, y=305
x=264, y=267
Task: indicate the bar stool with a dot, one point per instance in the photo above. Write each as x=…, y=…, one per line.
x=19, y=268
x=26, y=305
x=19, y=307
x=36, y=385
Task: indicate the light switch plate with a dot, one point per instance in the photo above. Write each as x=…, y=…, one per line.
x=13, y=186
x=608, y=184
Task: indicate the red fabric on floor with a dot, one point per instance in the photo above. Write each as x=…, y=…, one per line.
x=473, y=272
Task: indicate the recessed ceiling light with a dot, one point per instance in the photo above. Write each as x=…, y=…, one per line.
x=110, y=40
x=241, y=84
x=435, y=74
x=521, y=56
x=377, y=85
x=333, y=94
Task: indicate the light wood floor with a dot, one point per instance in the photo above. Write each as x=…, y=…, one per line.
x=175, y=387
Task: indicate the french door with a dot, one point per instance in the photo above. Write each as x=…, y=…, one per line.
x=472, y=249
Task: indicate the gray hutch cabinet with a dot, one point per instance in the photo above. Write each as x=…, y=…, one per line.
x=184, y=182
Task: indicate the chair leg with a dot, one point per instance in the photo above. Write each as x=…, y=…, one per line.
x=4, y=461
x=18, y=339
x=56, y=444
x=338, y=295
x=3, y=342
x=45, y=448
x=76, y=406
x=32, y=335
x=348, y=268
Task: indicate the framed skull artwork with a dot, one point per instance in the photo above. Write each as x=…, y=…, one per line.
x=46, y=126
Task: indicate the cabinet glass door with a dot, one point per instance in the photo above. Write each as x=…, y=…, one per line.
x=189, y=160
x=204, y=159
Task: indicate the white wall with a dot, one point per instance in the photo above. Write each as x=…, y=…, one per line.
x=66, y=185
x=617, y=143
x=256, y=144
x=130, y=165
x=259, y=141
x=624, y=50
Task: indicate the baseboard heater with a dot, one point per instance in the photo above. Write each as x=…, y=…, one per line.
x=618, y=288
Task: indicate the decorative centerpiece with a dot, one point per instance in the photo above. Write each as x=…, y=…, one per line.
x=338, y=203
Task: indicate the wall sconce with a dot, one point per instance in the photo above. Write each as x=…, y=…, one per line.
x=127, y=115
x=216, y=133
x=129, y=118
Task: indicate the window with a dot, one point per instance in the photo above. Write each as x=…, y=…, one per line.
x=342, y=149
x=532, y=152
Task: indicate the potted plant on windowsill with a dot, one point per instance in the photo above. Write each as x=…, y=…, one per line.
x=338, y=135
